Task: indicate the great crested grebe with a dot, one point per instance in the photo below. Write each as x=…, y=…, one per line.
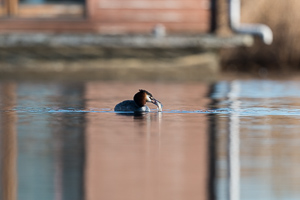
x=138, y=104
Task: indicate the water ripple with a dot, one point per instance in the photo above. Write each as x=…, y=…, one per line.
x=255, y=111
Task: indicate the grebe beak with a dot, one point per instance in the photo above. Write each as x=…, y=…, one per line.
x=157, y=103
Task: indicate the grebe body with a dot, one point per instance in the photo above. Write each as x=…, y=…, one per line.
x=138, y=104
x=130, y=105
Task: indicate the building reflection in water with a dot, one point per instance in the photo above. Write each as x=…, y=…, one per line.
x=8, y=138
x=42, y=153
x=70, y=154
x=225, y=145
x=153, y=156
x=233, y=157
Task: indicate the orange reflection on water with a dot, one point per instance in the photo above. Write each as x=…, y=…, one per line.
x=153, y=156
x=8, y=135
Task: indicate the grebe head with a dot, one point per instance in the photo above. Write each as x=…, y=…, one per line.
x=143, y=96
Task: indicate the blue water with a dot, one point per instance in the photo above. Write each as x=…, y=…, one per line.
x=229, y=140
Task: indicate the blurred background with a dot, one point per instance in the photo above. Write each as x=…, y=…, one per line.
x=101, y=34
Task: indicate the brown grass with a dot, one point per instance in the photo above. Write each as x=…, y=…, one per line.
x=283, y=55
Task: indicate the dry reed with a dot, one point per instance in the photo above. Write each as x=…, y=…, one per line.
x=284, y=53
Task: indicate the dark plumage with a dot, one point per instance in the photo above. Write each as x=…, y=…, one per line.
x=138, y=104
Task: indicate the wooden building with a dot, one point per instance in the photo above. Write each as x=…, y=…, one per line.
x=107, y=16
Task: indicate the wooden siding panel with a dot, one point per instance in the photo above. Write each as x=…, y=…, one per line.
x=154, y=4
x=151, y=16
x=120, y=17
x=51, y=11
x=146, y=28
x=134, y=16
x=46, y=26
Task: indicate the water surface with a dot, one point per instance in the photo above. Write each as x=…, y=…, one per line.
x=230, y=140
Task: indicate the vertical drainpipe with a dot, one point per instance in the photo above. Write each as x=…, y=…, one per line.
x=213, y=15
x=261, y=30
